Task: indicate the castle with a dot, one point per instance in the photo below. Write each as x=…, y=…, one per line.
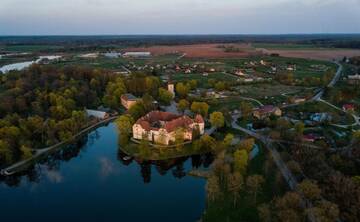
x=162, y=127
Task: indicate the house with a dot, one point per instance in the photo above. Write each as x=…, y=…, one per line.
x=320, y=117
x=266, y=111
x=309, y=138
x=291, y=68
x=97, y=114
x=187, y=71
x=163, y=127
x=354, y=79
x=262, y=62
x=348, y=107
x=128, y=100
x=298, y=100
x=137, y=54
x=239, y=73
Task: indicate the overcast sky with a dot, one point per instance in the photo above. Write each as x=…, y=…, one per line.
x=83, y=17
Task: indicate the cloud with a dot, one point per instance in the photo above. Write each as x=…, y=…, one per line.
x=54, y=176
x=178, y=16
x=106, y=166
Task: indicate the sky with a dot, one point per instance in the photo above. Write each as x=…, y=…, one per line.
x=121, y=17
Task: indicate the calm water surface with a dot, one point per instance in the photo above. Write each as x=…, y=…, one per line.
x=23, y=65
x=95, y=181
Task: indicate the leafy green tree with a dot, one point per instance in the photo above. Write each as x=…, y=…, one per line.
x=137, y=110
x=201, y=108
x=124, y=124
x=217, y=119
x=246, y=109
x=114, y=90
x=247, y=145
x=182, y=89
x=25, y=152
x=228, y=140
x=241, y=159
x=220, y=86
x=183, y=104
x=165, y=96
x=6, y=154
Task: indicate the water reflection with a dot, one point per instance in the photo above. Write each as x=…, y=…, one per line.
x=49, y=167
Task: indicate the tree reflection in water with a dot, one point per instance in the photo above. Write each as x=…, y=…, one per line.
x=53, y=162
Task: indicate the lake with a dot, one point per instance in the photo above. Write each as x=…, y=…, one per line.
x=23, y=65
x=94, y=181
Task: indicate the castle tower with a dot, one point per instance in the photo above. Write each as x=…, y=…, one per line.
x=171, y=86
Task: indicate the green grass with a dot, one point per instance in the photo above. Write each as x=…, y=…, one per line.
x=203, y=80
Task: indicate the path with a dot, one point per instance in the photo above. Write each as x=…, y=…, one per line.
x=22, y=164
x=286, y=173
x=336, y=78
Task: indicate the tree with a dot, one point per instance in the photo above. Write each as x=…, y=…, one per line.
x=124, y=124
x=183, y=105
x=213, y=189
x=182, y=89
x=201, y=108
x=228, y=139
x=5, y=152
x=246, y=109
x=217, y=119
x=241, y=160
x=113, y=93
x=165, y=96
x=234, y=185
x=299, y=128
x=325, y=211
x=254, y=184
x=247, y=144
x=310, y=189
x=25, y=152
x=220, y=86
x=179, y=138
x=137, y=110
x=264, y=212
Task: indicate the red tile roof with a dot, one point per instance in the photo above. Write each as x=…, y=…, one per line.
x=348, y=106
x=171, y=121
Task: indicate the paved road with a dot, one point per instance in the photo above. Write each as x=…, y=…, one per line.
x=286, y=173
x=331, y=84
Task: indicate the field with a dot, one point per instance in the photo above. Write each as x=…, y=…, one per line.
x=200, y=50
x=203, y=80
x=317, y=54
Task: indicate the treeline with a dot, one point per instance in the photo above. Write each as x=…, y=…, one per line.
x=43, y=105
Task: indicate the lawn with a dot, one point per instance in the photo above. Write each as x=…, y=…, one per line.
x=203, y=80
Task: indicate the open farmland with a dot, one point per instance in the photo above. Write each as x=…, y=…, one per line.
x=317, y=54
x=201, y=50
